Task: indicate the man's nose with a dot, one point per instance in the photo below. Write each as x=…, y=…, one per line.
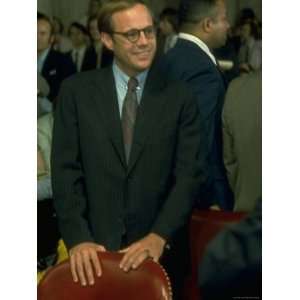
x=142, y=39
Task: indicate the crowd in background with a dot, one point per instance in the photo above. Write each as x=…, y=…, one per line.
x=81, y=41
x=62, y=52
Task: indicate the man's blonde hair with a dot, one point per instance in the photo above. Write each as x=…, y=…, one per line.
x=111, y=7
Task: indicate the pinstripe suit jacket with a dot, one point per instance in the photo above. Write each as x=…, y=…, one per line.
x=97, y=196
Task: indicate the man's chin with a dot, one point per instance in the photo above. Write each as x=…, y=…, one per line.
x=144, y=64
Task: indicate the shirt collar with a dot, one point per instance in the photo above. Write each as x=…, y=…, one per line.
x=198, y=42
x=122, y=78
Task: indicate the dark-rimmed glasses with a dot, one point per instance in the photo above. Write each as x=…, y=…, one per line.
x=134, y=34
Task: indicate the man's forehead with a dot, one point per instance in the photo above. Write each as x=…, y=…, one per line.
x=43, y=24
x=137, y=17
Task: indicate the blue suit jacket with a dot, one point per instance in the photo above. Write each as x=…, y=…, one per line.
x=188, y=62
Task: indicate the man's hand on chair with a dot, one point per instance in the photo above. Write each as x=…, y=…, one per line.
x=84, y=260
x=151, y=246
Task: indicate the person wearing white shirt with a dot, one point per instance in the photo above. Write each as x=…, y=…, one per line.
x=51, y=64
x=83, y=54
x=250, y=54
x=79, y=38
x=61, y=42
x=104, y=57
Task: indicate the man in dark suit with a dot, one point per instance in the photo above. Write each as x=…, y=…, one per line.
x=126, y=156
x=104, y=57
x=203, y=27
x=83, y=56
x=52, y=65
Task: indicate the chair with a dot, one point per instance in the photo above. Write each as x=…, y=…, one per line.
x=148, y=282
x=204, y=226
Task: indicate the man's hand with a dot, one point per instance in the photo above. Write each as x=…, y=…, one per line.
x=215, y=207
x=84, y=261
x=151, y=246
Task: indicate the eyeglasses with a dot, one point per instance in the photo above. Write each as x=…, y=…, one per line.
x=134, y=34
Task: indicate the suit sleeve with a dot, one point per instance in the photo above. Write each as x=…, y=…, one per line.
x=229, y=155
x=205, y=85
x=68, y=180
x=189, y=171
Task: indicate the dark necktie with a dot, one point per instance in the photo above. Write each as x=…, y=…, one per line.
x=76, y=58
x=129, y=111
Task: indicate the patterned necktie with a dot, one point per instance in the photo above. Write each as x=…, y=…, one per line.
x=129, y=111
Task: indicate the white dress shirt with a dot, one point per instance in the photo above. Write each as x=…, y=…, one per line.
x=77, y=56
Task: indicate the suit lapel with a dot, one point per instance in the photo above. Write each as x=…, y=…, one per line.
x=48, y=64
x=108, y=107
x=149, y=108
x=147, y=115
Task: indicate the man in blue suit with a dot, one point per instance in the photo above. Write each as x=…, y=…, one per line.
x=203, y=27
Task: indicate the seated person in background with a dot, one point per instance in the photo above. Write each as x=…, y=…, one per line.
x=232, y=264
x=48, y=234
x=44, y=141
x=83, y=56
x=44, y=106
x=42, y=86
x=104, y=56
x=168, y=25
x=250, y=53
x=61, y=42
x=242, y=128
x=52, y=65
x=227, y=57
x=245, y=15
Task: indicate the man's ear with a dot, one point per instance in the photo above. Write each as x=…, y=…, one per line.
x=206, y=25
x=107, y=40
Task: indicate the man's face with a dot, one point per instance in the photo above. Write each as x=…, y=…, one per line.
x=132, y=57
x=44, y=38
x=245, y=32
x=220, y=26
x=77, y=37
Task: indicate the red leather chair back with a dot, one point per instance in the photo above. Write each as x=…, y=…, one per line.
x=148, y=282
x=204, y=226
